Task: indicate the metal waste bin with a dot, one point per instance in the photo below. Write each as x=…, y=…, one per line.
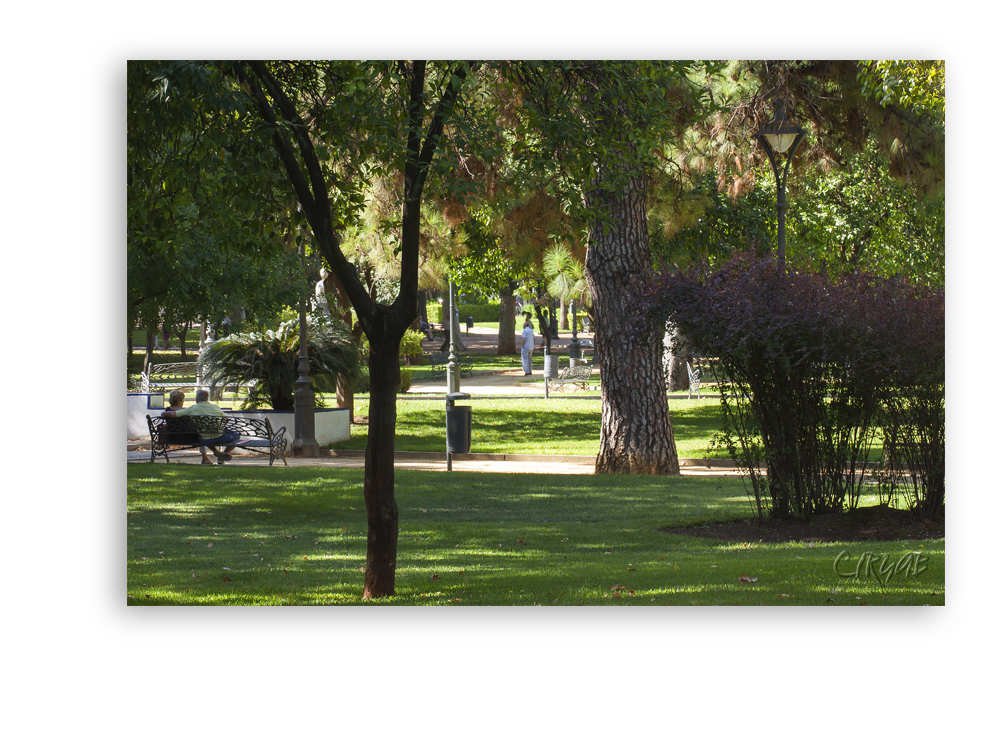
x=551, y=369
x=468, y=323
x=457, y=425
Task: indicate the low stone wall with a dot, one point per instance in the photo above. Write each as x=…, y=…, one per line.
x=333, y=424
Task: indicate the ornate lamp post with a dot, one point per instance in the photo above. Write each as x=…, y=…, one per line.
x=304, y=445
x=780, y=136
x=454, y=369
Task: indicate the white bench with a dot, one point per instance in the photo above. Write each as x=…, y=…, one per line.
x=163, y=377
x=694, y=381
x=578, y=374
x=179, y=375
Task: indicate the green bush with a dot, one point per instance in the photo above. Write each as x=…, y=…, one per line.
x=268, y=362
x=363, y=383
x=489, y=313
x=412, y=343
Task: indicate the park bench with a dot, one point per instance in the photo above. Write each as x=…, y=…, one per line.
x=249, y=433
x=694, y=381
x=439, y=362
x=181, y=375
x=174, y=375
x=578, y=374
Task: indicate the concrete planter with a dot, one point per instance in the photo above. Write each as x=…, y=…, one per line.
x=137, y=406
x=332, y=424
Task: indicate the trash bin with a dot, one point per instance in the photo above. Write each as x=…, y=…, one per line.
x=468, y=323
x=458, y=424
x=551, y=370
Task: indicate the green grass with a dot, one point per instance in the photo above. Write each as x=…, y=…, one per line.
x=297, y=536
x=555, y=426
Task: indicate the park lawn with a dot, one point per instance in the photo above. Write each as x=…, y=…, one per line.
x=297, y=536
x=557, y=426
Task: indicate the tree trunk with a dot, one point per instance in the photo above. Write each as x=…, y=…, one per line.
x=636, y=434
x=508, y=326
x=380, y=473
x=345, y=394
x=676, y=354
x=184, y=332
x=563, y=314
x=150, y=340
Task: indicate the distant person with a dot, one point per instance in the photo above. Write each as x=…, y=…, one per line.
x=528, y=334
x=202, y=406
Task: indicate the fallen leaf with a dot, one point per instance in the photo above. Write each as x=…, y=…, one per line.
x=747, y=579
x=618, y=587
x=227, y=579
x=209, y=544
x=435, y=577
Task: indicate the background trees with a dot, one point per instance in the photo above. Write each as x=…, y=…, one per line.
x=206, y=221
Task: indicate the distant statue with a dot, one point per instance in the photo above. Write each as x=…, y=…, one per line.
x=319, y=297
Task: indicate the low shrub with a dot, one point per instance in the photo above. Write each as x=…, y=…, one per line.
x=485, y=313
x=811, y=370
x=363, y=382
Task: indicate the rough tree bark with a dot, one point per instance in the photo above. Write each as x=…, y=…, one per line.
x=508, y=307
x=636, y=434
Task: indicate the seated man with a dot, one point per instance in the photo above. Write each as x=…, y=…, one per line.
x=203, y=407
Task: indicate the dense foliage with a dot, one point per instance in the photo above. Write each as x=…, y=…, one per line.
x=809, y=369
x=268, y=363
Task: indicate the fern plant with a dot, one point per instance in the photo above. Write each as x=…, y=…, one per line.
x=268, y=363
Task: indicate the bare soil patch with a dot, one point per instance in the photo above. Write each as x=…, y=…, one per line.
x=878, y=523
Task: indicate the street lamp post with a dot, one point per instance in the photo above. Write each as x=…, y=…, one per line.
x=304, y=445
x=453, y=368
x=777, y=137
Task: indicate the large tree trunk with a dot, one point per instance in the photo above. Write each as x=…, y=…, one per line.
x=636, y=435
x=508, y=327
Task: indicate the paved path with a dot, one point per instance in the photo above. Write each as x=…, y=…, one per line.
x=483, y=462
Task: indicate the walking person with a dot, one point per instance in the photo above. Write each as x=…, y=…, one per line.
x=528, y=334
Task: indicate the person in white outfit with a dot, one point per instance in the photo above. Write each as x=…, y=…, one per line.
x=528, y=346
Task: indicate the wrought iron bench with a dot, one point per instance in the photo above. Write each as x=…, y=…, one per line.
x=439, y=362
x=579, y=374
x=694, y=381
x=242, y=432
